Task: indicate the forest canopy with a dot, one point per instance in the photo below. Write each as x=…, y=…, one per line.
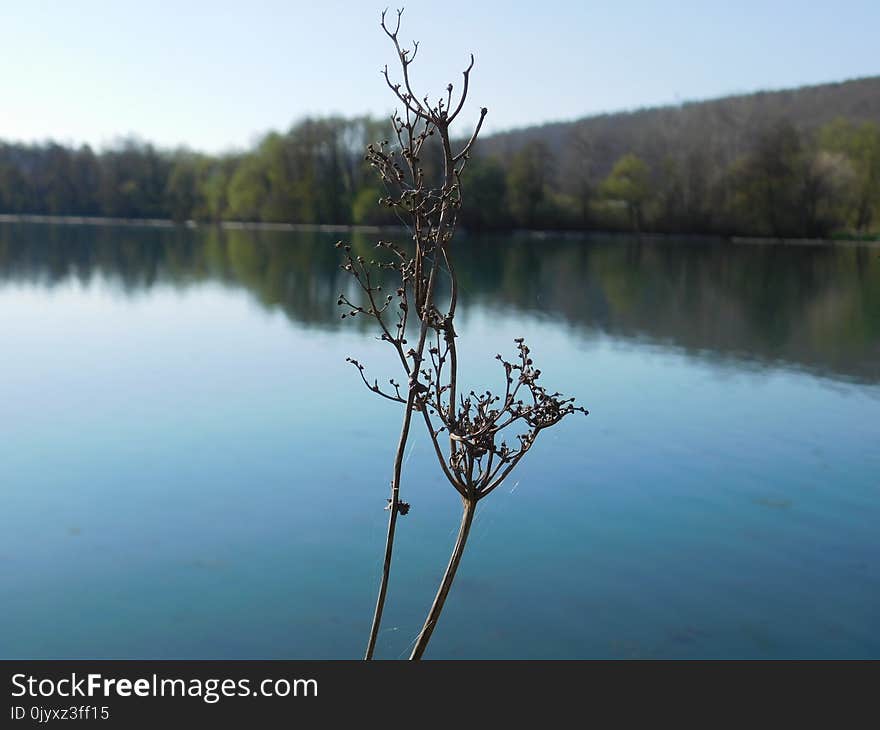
x=799, y=163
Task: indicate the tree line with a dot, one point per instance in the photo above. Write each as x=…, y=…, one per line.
x=786, y=182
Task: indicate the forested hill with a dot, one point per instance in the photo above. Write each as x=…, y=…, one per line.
x=799, y=163
x=725, y=128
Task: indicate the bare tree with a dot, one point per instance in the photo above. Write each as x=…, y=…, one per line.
x=474, y=454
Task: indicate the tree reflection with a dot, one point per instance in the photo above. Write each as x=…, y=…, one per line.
x=814, y=307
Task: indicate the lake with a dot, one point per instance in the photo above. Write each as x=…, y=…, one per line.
x=191, y=470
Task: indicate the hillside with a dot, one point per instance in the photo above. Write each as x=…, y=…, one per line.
x=725, y=128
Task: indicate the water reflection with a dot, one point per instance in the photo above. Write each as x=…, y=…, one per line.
x=187, y=478
x=810, y=307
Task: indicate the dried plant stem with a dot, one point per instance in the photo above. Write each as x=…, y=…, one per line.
x=389, y=539
x=478, y=457
x=469, y=507
x=398, y=470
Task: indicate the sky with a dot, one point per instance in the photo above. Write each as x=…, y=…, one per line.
x=213, y=76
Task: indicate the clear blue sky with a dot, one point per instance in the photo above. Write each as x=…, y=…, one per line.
x=214, y=75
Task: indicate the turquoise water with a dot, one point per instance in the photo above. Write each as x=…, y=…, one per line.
x=190, y=469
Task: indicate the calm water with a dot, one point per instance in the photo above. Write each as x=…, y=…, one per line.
x=189, y=468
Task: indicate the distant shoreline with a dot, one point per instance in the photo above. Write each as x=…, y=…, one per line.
x=79, y=220
x=73, y=220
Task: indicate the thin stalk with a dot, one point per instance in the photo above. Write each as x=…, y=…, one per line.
x=392, y=523
x=469, y=506
x=398, y=467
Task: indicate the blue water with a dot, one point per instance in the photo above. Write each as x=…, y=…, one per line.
x=191, y=470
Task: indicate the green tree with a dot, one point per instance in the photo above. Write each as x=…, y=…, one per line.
x=527, y=183
x=214, y=187
x=248, y=189
x=485, y=199
x=134, y=177
x=14, y=186
x=86, y=180
x=768, y=182
x=183, y=190
x=367, y=211
x=629, y=182
x=860, y=144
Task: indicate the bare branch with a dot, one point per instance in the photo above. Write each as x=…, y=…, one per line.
x=375, y=386
x=437, y=450
x=467, y=147
x=466, y=73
